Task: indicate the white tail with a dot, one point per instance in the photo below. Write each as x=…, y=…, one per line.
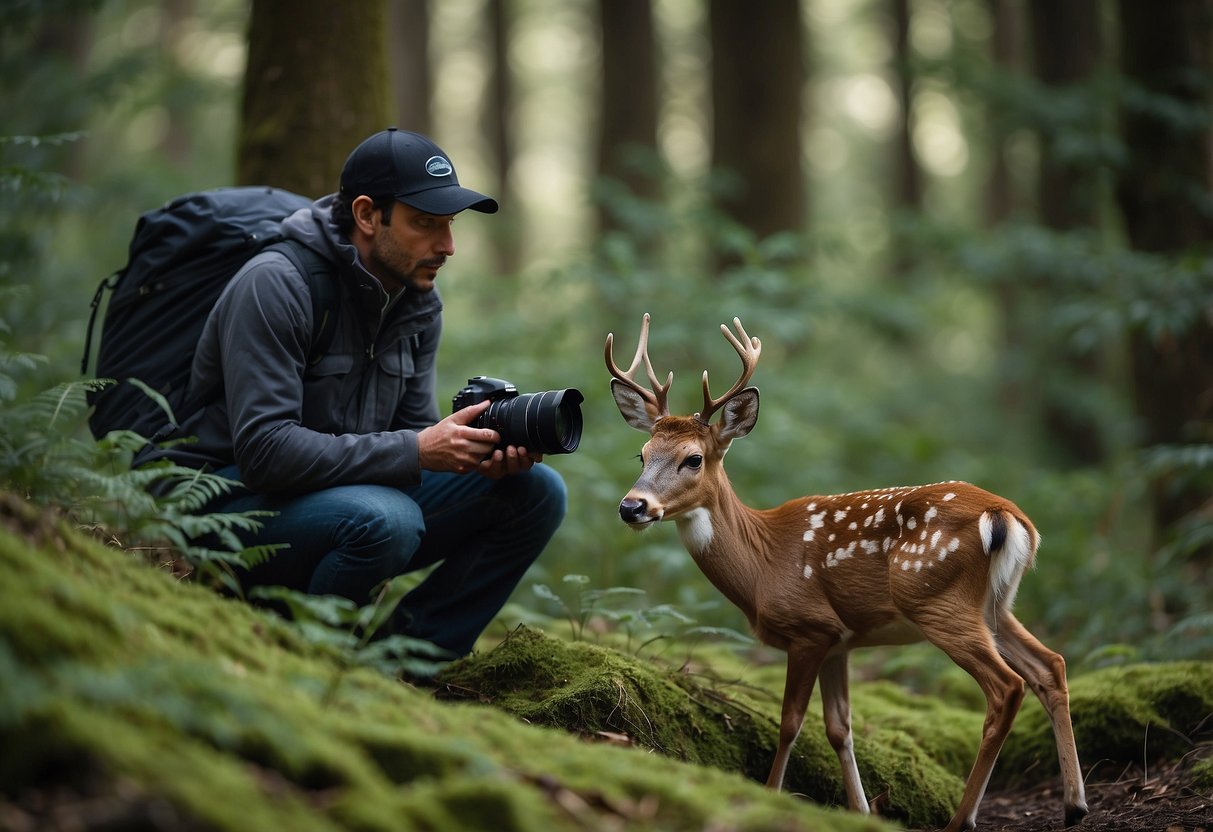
x=822, y=575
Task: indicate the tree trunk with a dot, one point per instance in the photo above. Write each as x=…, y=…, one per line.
x=757, y=77
x=409, y=55
x=316, y=85
x=908, y=182
x=1067, y=199
x=1167, y=59
x=628, y=117
x=498, y=110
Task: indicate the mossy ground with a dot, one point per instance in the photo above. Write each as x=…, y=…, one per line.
x=120, y=681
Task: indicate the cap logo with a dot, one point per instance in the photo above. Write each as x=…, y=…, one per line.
x=438, y=166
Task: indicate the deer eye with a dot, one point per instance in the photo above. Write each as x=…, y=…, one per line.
x=694, y=462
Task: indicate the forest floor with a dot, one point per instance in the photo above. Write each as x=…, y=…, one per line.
x=1131, y=800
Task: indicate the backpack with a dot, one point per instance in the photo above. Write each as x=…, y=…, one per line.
x=181, y=256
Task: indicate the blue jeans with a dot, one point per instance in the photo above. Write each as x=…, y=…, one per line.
x=483, y=534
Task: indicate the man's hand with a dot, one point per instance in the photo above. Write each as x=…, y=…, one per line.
x=510, y=461
x=454, y=445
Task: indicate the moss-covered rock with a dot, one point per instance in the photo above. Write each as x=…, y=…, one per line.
x=911, y=751
x=1138, y=713
x=124, y=688
x=119, y=683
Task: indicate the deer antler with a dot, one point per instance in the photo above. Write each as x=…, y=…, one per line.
x=655, y=399
x=749, y=349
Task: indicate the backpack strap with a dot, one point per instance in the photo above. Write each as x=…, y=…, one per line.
x=325, y=292
x=326, y=303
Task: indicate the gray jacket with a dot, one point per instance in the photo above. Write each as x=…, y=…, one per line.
x=352, y=417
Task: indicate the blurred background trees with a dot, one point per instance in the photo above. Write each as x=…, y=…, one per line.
x=974, y=236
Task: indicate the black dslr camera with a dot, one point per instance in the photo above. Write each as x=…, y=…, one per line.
x=543, y=423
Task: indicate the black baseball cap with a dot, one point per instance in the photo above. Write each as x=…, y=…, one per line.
x=414, y=170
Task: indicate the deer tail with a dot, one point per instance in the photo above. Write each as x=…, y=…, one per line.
x=1011, y=542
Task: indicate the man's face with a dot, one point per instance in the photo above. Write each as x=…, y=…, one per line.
x=410, y=251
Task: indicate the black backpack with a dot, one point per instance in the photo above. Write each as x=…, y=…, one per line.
x=181, y=257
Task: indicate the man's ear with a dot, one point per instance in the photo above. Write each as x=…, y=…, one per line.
x=366, y=217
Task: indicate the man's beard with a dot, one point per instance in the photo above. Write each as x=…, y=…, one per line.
x=386, y=259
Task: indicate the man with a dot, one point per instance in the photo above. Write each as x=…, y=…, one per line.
x=367, y=480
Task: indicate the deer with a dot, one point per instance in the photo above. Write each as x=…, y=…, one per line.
x=820, y=576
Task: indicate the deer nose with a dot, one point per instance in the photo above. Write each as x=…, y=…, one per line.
x=633, y=510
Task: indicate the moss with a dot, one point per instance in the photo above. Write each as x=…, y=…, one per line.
x=1120, y=715
x=119, y=680
x=1202, y=776
x=113, y=673
x=590, y=690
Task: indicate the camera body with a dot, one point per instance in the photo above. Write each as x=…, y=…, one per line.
x=482, y=388
x=543, y=423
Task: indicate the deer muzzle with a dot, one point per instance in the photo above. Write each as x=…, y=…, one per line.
x=635, y=511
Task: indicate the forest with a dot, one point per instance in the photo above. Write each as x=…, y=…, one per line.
x=973, y=236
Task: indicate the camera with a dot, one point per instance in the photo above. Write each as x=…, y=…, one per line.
x=544, y=423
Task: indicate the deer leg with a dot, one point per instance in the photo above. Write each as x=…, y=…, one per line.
x=968, y=642
x=836, y=706
x=803, y=664
x=1045, y=673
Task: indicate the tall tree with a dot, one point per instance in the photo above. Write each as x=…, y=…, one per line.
x=758, y=74
x=409, y=55
x=1067, y=195
x=908, y=178
x=316, y=84
x=629, y=109
x=1163, y=194
x=498, y=112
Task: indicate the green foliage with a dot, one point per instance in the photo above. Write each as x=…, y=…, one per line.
x=361, y=636
x=626, y=609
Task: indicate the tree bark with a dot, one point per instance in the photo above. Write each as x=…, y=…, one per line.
x=1067, y=198
x=409, y=56
x=317, y=84
x=757, y=76
x=628, y=116
x=1167, y=58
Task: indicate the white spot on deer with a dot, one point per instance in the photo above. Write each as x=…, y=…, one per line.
x=840, y=515
x=808, y=536
x=817, y=520
x=931, y=512
x=695, y=529
x=831, y=537
x=869, y=546
x=935, y=538
x=905, y=566
x=879, y=517
x=808, y=571
x=813, y=506
x=923, y=536
x=888, y=544
x=867, y=521
x=917, y=566
x=841, y=553
x=912, y=524
x=853, y=527
x=949, y=496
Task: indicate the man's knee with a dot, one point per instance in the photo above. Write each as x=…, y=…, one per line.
x=547, y=494
x=384, y=519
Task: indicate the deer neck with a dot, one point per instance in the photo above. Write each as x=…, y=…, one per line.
x=728, y=544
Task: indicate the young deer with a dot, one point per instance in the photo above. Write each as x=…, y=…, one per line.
x=820, y=576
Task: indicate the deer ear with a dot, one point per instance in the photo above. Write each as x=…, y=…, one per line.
x=632, y=406
x=739, y=414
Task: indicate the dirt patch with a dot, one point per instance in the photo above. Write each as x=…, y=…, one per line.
x=1158, y=799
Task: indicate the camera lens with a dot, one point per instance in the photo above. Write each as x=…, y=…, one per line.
x=546, y=423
